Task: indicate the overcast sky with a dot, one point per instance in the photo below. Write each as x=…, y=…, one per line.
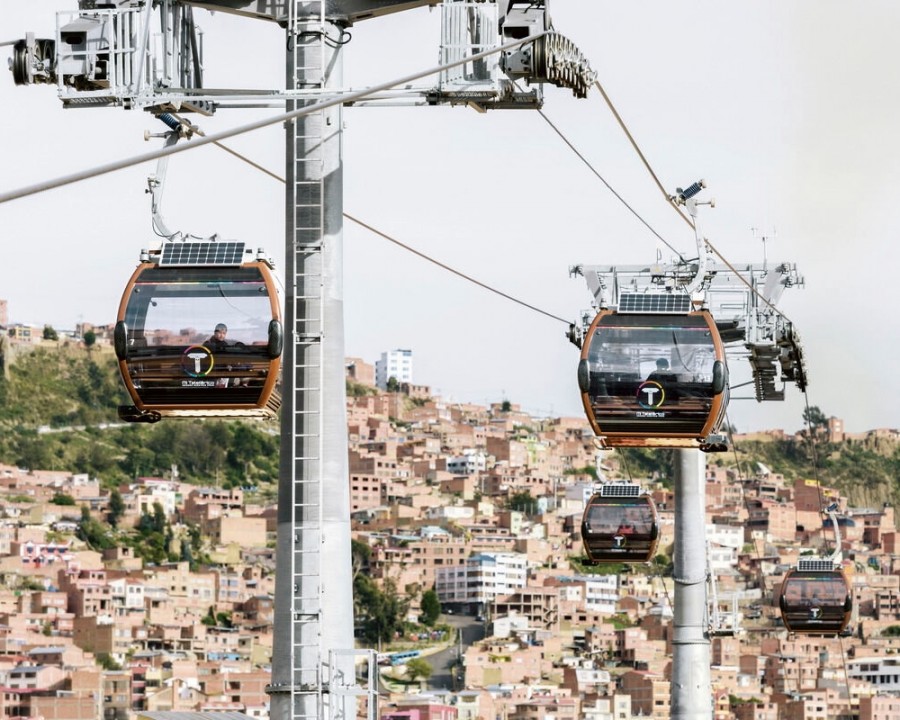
x=788, y=110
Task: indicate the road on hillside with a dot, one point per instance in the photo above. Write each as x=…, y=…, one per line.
x=471, y=630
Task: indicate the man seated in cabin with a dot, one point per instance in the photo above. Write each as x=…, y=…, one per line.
x=665, y=378
x=218, y=339
x=626, y=527
x=633, y=522
x=661, y=374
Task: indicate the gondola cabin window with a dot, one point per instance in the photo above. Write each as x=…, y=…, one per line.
x=185, y=311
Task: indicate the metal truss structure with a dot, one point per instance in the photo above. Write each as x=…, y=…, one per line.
x=149, y=55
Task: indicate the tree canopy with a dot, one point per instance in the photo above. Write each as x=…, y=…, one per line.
x=431, y=608
x=380, y=614
x=417, y=668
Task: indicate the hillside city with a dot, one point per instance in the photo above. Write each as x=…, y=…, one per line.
x=88, y=633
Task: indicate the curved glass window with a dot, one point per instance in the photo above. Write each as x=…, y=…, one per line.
x=166, y=311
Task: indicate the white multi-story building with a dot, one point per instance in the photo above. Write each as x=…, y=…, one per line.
x=725, y=535
x=482, y=578
x=883, y=673
x=469, y=463
x=450, y=512
x=601, y=593
x=395, y=364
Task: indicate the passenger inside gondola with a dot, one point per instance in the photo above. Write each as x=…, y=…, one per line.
x=662, y=374
x=218, y=339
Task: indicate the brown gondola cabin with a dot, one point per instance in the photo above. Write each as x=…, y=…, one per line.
x=620, y=524
x=815, y=599
x=199, y=334
x=654, y=379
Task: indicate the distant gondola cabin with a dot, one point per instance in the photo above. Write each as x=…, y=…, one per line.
x=815, y=599
x=199, y=334
x=654, y=379
x=619, y=524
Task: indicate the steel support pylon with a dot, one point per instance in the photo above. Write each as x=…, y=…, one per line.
x=313, y=549
x=691, y=690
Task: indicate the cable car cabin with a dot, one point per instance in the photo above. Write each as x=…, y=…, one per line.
x=815, y=599
x=655, y=379
x=199, y=334
x=620, y=524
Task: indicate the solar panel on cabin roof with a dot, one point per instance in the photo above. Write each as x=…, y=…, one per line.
x=654, y=303
x=208, y=254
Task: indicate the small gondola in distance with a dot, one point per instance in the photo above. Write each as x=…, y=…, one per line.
x=815, y=600
x=654, y=379
x=617, y=529
x=173, y=361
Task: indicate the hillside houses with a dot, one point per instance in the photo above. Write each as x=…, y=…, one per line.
x=480, y=504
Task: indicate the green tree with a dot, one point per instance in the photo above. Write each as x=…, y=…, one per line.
x=392, y=384
x=431, y=608
x=152, y=523
x=187, y=556
x=107, y=662
x=62, y=499
x=381, y=612
x=96, y=458
x=93, y=532
x=505, y=406
x=116, y=508
x=33, y=452
x=90, y=339
x=523, y=502
x=815, y=420
x=140, y=460
x=418, y=668
x=153, y=536
x=50, y=333
x=590, y=470
x=360, y=553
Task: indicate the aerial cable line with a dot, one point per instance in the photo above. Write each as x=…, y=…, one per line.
x=671, y=201
x=608, y=186
x=195, y=129
x=637, y=149
x=241, y=129
x=455, y=272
